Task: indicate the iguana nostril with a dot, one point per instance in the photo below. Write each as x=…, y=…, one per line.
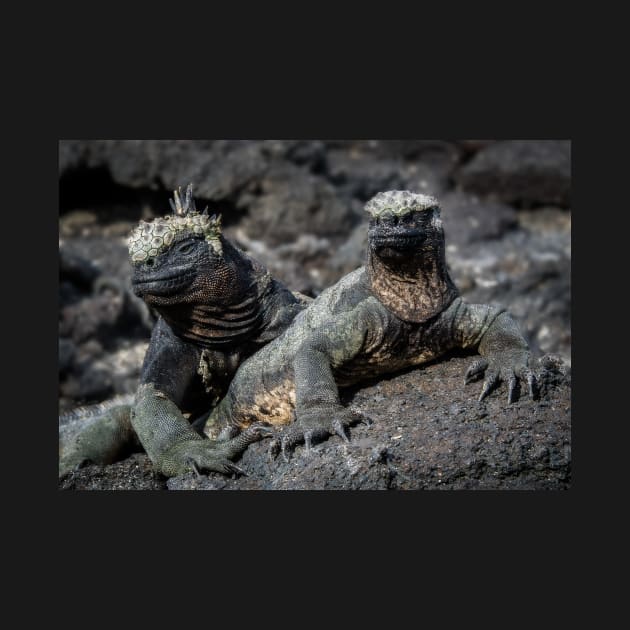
x=150, y=262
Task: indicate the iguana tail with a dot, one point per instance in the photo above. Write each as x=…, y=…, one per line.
x=99, y=434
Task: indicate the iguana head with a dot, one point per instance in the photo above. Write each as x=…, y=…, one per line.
x=182, y=258
x=406, y=262
x=403, y=224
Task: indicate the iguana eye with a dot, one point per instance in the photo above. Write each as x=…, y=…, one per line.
x=185, y=248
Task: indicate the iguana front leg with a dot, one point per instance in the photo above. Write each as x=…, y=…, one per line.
x=174, y=446
x=505, y=355
x=319, y=412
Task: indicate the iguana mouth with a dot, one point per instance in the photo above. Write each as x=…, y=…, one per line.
x=404, y=241
x=168, y=285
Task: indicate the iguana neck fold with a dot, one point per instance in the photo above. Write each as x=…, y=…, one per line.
x=214, y=327
x=415, y=289
x=223, y=325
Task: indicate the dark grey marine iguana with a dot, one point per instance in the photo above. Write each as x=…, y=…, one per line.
x=216, y=307
x=401, y=309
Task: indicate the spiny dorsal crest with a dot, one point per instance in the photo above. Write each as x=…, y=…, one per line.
x=151, y=238
x=182, y=209
x=399, y=202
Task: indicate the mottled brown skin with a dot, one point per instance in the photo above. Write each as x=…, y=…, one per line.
x=402, y=309
x=216, y=307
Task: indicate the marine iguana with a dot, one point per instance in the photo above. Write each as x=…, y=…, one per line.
x=401, y=309
x=216, y=307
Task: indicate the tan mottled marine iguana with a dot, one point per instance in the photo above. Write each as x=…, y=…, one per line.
x=401, y=309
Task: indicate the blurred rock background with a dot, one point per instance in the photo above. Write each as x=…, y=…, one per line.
x=297, y=206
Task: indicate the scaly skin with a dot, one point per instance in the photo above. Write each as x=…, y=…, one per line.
x=217, y=306
x=401, y=309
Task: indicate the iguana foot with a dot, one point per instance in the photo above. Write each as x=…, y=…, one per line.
x=316, y=425
x=210, y=455
x=504, y=369
x=196, y=456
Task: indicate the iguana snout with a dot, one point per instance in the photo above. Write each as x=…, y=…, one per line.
x=402, y=223
x=162, y=276
x=172, y=271
x=404, y=234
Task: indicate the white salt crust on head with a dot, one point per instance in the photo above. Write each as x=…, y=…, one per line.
x=152, y=238
x=399, y=202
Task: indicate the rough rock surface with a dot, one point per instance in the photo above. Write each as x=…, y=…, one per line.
x=133, y=473
x=521, y=171
x=219, y=167
x=292, y=201
x=429, y=432
x=297, y=207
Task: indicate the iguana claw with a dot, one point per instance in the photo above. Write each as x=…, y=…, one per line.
x=499, y=370
x=315, y=425
x=204, y=454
